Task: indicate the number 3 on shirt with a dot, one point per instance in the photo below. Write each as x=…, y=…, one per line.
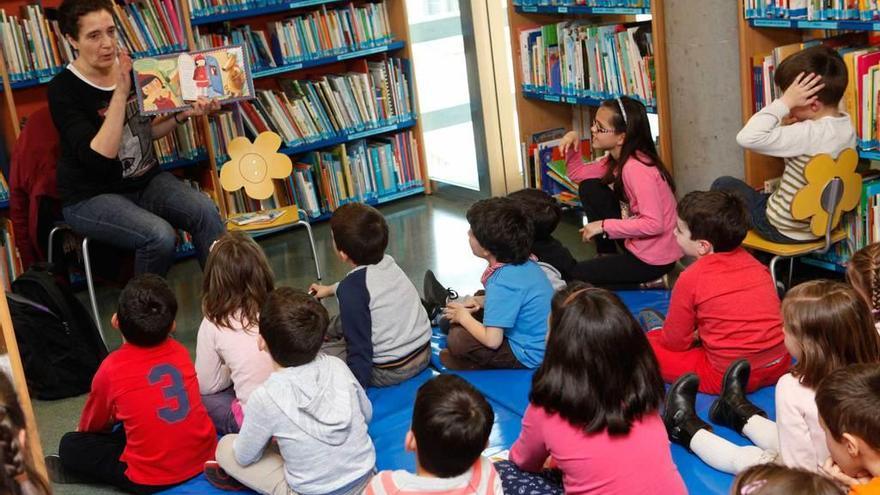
x=173, y=390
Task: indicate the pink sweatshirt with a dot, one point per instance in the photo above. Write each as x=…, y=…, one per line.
x=638, y=463
x=650, y=229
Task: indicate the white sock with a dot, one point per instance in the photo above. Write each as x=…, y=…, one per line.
x=726, y=456
x=762, y=432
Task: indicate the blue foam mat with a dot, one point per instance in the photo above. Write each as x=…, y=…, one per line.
x=507, y=391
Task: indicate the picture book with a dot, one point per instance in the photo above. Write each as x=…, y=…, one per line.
x=168, y=83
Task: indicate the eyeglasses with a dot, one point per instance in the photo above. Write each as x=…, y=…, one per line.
x=601, y=130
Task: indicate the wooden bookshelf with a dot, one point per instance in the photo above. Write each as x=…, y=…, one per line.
x=538, y=112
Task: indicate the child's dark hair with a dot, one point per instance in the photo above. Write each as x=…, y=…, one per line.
x=638, y=143
x=585, y=378
x=821, y=60
x=360, y=232
x=718, y=217
x=848, y=400
x=293, y=324
x=833, y=326
x=542, y=207
x=237, y=281
x=16, y=461
x=863, y=273
x=451, y=423
x=71, y=10
x=503, y=228
x=147, y=309
x=774, y=479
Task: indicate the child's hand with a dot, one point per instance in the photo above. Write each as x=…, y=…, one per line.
x=456, y=312
x=477, y=302
x=802, y=91
x=833, y=471
x=568, y=141
x=321, y=291
x=591, y=230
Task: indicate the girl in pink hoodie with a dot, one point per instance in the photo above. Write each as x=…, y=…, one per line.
x=628, y=199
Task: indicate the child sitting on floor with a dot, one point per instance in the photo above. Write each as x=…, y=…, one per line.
x=827, y=326
x=594, y=406
x=517, y=299
x=385, y=332
x=149, y=385
x=546, y=213
x=229, y=363
x=848, y=401
x=450, y=428
x=706, y=328
x=771, y=479
x=305, y=430
x=863, y=273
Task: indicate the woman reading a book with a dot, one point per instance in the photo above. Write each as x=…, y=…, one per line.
x=628, y=199
x=109, y=179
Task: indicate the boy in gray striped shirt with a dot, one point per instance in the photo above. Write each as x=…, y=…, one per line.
x=804, y=122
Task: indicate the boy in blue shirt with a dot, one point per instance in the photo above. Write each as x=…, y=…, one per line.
x=517, y=301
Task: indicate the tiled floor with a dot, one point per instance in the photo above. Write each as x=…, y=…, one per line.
x=426, y=233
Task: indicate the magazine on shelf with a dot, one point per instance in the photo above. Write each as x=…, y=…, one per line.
x=168, y=83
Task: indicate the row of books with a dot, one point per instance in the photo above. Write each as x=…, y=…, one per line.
x=818, y=10
x=362, y=171
x=546, y=168
x=224, y=127
x=184, y=143
x=375, y=94
x=640, y=4
x=862, y=225
x=861, y=54
x=4, y=188
x=150, y=27
x=320, y=33
x=30, y=43
x=578, y=59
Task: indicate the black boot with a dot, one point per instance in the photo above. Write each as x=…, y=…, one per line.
x=435, y=294
x=680, y=416
x=732, y=408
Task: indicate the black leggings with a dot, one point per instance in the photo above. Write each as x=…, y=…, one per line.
x=615, y=268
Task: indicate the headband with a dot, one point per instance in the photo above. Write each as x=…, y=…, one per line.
x=622, y=110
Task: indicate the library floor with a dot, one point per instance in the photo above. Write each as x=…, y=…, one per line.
x=425, y=233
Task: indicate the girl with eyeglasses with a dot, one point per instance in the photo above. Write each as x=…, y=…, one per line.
x=628, y=199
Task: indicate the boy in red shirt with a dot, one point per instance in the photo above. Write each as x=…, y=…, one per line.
x=724, y=306
x=149, y=385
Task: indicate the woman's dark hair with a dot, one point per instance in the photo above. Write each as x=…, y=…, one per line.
x=503, y=228
x=71, y=10
x=599, y=372
x=638, y=143
x=15, y=459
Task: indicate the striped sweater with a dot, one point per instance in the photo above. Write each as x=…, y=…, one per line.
x=797, y=143
x=481, y=479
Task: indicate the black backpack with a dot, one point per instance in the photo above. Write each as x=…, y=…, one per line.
x=59, y=343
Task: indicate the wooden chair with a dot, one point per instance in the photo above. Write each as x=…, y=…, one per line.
x=833, y=187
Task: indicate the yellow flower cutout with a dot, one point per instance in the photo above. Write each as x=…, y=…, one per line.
x=819, y=171
x=253, y=166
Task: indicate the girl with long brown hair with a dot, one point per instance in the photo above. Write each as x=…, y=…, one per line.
x=229, y=363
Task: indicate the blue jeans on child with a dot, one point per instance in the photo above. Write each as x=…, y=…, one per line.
x=145, y=221
x=515, y=480
x=756, y=206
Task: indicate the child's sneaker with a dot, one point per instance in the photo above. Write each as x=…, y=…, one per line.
x=651, y=319
x=436, y=295
x=660, y=283
x=219, y=478
x=57, y=473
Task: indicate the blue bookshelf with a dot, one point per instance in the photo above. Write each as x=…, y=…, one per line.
x=4, y=203
x=574, y=100
x=274, y=71
x=345, y=137
x=387, y=198
x=869, y=154
x=184, y=254
x=184, y=162
x=235, y=12
x=580, y=9
x=806, y=24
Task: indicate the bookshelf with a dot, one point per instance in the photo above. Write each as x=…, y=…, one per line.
x=152, y=27
x=540, y=109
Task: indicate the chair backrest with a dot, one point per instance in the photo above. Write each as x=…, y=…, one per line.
x=833, y=187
